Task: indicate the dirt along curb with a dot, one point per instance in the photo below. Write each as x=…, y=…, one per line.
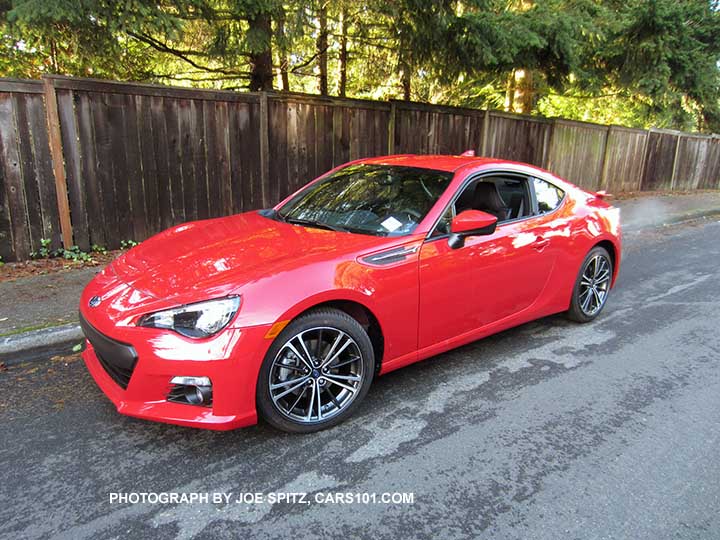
x=37, y=344
x=17, y=348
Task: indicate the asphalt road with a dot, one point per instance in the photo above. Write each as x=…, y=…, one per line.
x=551, y=430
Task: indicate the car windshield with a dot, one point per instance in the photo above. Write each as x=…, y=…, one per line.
x=383, y=200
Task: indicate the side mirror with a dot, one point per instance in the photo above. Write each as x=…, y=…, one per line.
x=470, y=223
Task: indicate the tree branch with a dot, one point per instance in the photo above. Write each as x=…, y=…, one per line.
x=161, y=47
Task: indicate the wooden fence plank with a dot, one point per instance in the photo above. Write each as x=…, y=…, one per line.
x=659, y=160
x=89, y=171
x=73, y=172
x=187, y=144
x=7, y=248
x=12, y=175
x=44, y=171
x=577, y=153
x=253, y=156
x=104, y=170
x=116, y=114
x=199, y=158
x=223, y=153
x=148, y=163
x=58, y=164
x=171, y=109
x=133, y=159
x=264, y=149
x=277, y=135
x=237, y=121
x=161, y=149
x=29, y=173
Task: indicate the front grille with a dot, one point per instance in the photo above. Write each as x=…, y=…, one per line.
x=117, y=359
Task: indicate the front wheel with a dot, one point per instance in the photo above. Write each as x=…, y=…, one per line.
x=316, y=372
x=592, y=286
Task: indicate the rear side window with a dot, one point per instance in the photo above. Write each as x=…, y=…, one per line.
x=548, y=196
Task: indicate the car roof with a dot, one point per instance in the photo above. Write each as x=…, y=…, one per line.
x=438, y=162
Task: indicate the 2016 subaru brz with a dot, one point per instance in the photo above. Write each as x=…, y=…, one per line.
x=290, y=312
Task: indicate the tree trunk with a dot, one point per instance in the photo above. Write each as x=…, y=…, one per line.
x=405, y=74
x=526, y=87
x=406, y=85
x=322, y=47
x=343, y=53
x=282, y=47
x=261, y=77
x=510, y=93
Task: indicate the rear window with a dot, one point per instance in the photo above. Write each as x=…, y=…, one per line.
x=548, y=196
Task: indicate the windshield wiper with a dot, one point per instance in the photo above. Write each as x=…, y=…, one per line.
x=311, y=223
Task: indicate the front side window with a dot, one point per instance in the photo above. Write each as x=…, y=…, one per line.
x=382, y=200
x=548, y=196
x=505, y=197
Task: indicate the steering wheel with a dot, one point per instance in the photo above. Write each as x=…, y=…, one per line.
x=412, y=213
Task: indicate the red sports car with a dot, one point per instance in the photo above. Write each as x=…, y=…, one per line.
x=290, y=312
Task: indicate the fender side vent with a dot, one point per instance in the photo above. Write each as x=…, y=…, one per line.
x=391, y=256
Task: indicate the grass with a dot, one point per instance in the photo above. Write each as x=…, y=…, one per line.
x=32, y=328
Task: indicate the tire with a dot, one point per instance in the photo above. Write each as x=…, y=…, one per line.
x=595, y=275
x=324, y=355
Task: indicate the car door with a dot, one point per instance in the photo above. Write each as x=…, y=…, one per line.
x=449, y=288
x=489, y=279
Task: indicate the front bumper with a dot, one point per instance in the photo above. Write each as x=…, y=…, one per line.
x=231, y=360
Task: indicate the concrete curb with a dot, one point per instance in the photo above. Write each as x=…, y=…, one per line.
x=31, y=345
x=46, y=339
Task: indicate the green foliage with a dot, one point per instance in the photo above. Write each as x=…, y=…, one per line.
x=74, y=253
x=635, y=62
x=98, y=249
x=127, y=244
x=44, y=252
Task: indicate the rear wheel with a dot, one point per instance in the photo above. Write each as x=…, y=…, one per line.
x=316, y=372
x=592, y=286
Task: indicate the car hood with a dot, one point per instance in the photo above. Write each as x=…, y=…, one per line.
x=220, y=255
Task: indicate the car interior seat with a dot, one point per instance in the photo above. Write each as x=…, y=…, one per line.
x=487, y=199
x=517, y=205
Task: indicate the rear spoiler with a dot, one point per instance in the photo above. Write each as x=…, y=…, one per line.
x=602, y=194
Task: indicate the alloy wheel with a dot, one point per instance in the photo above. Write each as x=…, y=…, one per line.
x=316, y=374
x=594, y=285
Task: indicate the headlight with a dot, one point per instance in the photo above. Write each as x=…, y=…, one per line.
x=199, y=320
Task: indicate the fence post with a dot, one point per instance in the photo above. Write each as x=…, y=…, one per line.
x=391, y=128
x=605, y=162
x=264, y=148
x=641, y=184
x=675, y=159
x=485, y=134
x=56, y=153
x=548, y=142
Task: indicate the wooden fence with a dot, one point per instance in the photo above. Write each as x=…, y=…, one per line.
x=86, y=162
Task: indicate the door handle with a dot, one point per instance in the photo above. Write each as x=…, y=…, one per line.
x=541, y=243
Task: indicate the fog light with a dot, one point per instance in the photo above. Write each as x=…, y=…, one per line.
x=191, y=391
x=198, y=395
x=191, y=381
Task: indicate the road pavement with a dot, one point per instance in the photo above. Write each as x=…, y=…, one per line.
x=550, y=430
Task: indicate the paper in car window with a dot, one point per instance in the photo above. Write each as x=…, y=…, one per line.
x=391, y=224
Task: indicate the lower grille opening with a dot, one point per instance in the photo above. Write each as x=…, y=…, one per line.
x=117, y=374
x=116, y=358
